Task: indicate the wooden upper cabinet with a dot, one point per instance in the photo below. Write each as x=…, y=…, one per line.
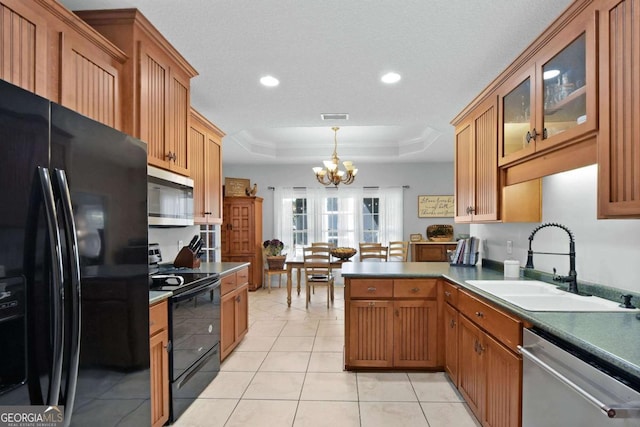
x=476, y=179
x=619, y=137
x=157, y=81
x=48, y=50
x=89, y=81
x=23, y=52
x=551, y=101
x=205, y=145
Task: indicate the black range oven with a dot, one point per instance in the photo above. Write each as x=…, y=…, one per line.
x=194, y=333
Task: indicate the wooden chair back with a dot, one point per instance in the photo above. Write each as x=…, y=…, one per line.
x=317, y=270
x=373, y=251
x=398, y=251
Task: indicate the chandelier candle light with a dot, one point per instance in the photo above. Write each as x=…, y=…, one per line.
x=330, y=174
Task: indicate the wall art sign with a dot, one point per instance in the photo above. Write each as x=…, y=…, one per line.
x=435, y=206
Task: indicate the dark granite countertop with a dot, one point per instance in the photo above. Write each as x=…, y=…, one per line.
x=222, y=268
x=609, y=336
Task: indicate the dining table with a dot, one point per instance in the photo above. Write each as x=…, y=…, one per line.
x=298, y=264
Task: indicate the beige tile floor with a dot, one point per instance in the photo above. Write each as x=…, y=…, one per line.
x=288, y=371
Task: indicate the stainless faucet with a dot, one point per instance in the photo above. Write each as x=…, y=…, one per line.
x=572, y=278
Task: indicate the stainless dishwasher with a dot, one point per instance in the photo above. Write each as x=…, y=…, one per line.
x=561, y=389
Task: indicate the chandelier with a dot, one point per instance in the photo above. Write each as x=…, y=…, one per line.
x=330, y=174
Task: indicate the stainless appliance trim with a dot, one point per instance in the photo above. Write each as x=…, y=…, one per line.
x=163, y=216
x=562, y=385
x=169, y=176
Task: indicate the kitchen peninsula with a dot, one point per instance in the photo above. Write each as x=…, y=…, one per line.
x=426, y=316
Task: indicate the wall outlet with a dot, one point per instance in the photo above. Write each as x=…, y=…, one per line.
x=180, y=244
x=509, y=247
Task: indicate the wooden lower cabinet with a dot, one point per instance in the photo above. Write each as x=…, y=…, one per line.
x=234, y=323
x=433, y=252
x=391, y=323
x=451, y=352
x=159, y=366
x=489, y=370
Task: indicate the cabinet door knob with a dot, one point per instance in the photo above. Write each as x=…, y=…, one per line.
x=447, y=294
x=452, y=324
x=479, y=314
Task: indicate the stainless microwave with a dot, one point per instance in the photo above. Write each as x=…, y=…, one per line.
x=170, y=198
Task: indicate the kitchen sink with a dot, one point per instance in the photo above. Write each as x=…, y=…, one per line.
x=533, y=295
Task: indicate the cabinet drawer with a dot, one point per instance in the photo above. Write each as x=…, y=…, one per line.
x=158, y=317
x=242, y=277
x=227, y=284
x=375, y=288
x=415, y=288
x=450, y=293
x=504, y=327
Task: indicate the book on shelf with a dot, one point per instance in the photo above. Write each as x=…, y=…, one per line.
x=466, y=251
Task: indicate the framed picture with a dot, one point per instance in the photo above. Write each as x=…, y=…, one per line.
x=415, y=237
x=435, y=206
x=236, y=186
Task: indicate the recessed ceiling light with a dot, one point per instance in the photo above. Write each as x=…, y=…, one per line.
x=269, y=81
x=549, y=74
x=390, y=78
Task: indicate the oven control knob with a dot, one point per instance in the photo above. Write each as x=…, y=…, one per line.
x=210, y=328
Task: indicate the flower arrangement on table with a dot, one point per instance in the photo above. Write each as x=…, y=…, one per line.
x=273, y=251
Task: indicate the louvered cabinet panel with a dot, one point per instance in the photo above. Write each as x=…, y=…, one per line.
x=89, y=83
x=503, y=372
x=451, y=329
x=178, y=123
x=154, y=77
x=486, y=166
x=371, y=334
x=464, y=172
x=470, y=369
x=197, y=140
x=23, y=47
x=415, y=333
x=619, y=136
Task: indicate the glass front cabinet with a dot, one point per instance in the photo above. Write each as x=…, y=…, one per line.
x=552, y=101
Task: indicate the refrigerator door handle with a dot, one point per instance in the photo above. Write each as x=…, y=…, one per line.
x=61, y=191
x=57, y=290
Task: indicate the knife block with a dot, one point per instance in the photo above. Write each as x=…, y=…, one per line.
x=186, y=258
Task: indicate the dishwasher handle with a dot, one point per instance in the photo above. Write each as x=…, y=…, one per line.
x=610, y=412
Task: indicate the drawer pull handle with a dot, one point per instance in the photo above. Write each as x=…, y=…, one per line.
x=447, y=294
x=414, y=290
x=152, y=323
x=480, y=314
x=372, y=304
x=371, y=289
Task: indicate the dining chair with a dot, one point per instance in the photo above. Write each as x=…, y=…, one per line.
x=373, y=251
x=317, y=271
x=267, y=273
x=398, y=251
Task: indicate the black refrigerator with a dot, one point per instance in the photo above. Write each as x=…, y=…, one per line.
x=74, y=287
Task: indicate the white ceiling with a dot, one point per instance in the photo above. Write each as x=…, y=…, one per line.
x=329, y=56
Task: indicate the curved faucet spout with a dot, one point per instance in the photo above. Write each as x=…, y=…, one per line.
x=572, y=277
